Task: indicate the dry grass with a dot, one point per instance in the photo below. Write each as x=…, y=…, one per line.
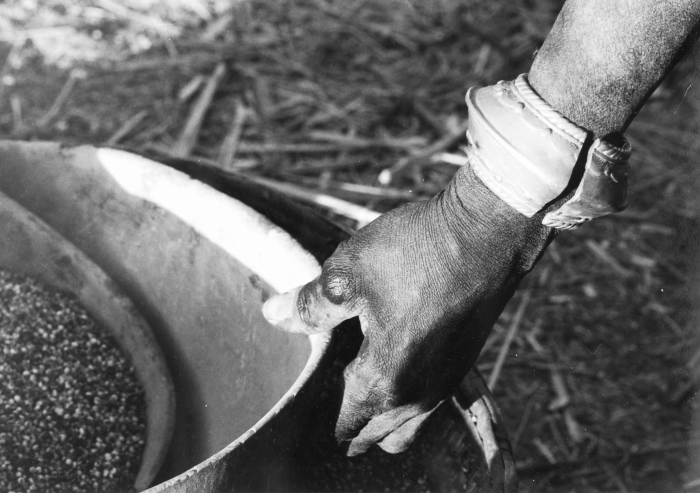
x=359, y=100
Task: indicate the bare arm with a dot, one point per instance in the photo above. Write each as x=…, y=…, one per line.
x=604, y=58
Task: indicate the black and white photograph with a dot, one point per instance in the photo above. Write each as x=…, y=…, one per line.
x=355, y=246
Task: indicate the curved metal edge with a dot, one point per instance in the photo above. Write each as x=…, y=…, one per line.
x=319, y=343
x=274, y=255
x=305, y=268
x=76, y=274
x=316, y=232
x=206, y=471
x=474, y=403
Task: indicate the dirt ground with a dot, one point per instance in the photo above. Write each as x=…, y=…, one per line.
x=363, y=100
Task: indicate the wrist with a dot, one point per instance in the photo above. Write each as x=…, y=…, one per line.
x=504, y=236
x=473, y=201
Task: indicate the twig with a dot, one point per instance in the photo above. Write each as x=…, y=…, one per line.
x=315, y=167
x=531, y=338
x=429, y=117
x=271, y=148
x=490, y=37
x=692, y=484
x=657, y=179
x=527, y=413
x=649, y=227
x=190, y=88
x=386, y=32
x=553, y=250
x=449, y=158
x=539, y=365
x=230, y=145
x=573, y=427
x=605, y=256
x=349, y=141
x=666, y=266
x=126, y=128
x=63, y=95
x=551, y=422
x=694, y=360
x=482, y=59
x=562, y=398
x=169, y=45
x=530, y=468
x=263, y=98
x=673, y=325
x=512, y=330
x=616, y=477
x=16, y=106
x=200, y=8
x=495, y=336
x=631, y=215
x=22, y=35
x=545, y=273
x=148, y=135
x=387, y=175
x=373, y=192
x=11, y=59
x=191, y=61
x=361, y=215
x=348, y=192
x=217, y=28
x=189, y=135
x=544, y=450
x=160, y=149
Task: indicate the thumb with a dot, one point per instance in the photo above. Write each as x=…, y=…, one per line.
x=305, y=310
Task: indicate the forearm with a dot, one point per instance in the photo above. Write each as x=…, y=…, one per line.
x=597, y=67
x=603, y=58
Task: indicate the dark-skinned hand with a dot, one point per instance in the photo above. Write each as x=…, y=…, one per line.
x=428, y=281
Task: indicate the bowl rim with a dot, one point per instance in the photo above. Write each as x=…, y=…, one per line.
x=132, y=170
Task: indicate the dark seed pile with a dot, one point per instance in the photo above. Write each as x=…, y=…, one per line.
x=72, y=413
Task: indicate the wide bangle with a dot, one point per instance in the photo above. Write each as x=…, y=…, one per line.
x=525, y=152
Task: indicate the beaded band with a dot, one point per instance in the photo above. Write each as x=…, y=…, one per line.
x=525, y=152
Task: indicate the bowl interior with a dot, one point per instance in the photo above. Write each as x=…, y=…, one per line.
x=197, y=265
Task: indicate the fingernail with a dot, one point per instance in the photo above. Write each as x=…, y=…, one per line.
x=279, y=308
x=356, y=448
x=394, y=445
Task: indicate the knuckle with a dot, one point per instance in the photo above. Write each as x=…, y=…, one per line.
x=337, y=281
x=316, y=305
x=337, y=288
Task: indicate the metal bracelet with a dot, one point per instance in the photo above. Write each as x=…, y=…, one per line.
x=602, y=190
x=525, y=152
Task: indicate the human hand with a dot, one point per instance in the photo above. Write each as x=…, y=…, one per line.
x=428, y=281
